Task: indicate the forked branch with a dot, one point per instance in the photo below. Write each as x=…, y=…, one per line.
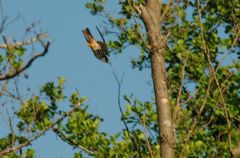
x=11, y=74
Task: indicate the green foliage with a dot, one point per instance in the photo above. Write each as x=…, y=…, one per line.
x=12, y=58
x=82, y=130
x=54, y=92
x=96, y=6
x=137, y=112
x=30, y=153
x=34, y=112
x=193, y=46
x=5, y=142
x=15, y=56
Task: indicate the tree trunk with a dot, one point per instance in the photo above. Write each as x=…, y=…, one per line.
x=167, y=138
x=151, y=16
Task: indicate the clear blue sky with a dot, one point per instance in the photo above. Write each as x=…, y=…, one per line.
x=70, y=57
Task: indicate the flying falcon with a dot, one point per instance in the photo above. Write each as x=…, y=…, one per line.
x=99, y=48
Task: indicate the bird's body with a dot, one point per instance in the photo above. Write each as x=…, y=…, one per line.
x=99, y=48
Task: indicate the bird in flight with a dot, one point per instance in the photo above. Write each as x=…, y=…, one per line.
x=99, y=48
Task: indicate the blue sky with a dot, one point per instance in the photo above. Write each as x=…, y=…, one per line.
x=70, y=57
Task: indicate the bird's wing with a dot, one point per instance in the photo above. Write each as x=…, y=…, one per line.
x=87, y=34
x=93, y=44
x=103, y=43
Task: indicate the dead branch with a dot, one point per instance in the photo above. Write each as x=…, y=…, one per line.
x=23, y=43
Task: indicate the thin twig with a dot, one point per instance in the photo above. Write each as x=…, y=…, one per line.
x=146, y=138
x=13, y=96
x=165, y=10
x=119, y=83
x=192, y=128
x=177, y=108
x=146, y=46
x=215, y=77
x=233, y=43
x=72, y=143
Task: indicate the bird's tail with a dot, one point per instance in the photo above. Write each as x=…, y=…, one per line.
x=87, y=34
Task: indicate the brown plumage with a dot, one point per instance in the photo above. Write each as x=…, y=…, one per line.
x=99, y=48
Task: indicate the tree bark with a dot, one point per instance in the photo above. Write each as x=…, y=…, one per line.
x=151, y=15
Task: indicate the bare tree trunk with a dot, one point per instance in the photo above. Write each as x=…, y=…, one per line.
x=151, y=16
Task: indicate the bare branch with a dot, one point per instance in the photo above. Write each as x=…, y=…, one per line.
x=23, y=43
